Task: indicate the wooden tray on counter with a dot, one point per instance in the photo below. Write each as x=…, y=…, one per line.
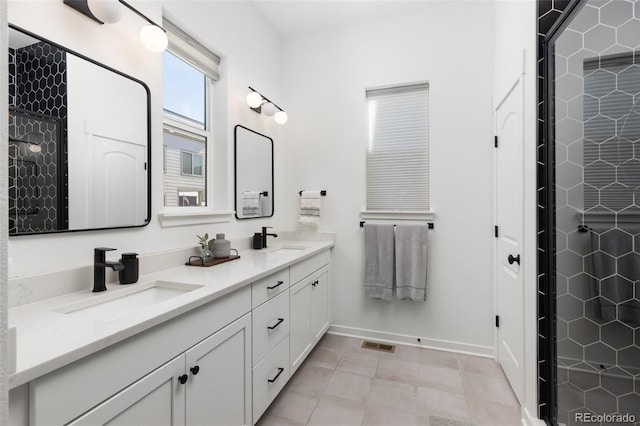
x=197, y=261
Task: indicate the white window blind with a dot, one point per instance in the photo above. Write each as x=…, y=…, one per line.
x=190, y=50
x=398, y=148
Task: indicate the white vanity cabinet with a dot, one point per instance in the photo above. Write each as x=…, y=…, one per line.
x=138, y=377
x=309, y=298
x=220, y=362
x=156, y=399
x=207, y=385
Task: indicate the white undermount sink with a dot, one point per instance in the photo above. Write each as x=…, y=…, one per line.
x=286, y=248
x=109, y=306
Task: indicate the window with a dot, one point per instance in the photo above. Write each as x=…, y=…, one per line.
x=190, y=71
x=398, y=148
x=191, y=163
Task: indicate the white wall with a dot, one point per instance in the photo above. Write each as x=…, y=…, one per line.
x=450, y=44
x=250, y=51
x=515, y=51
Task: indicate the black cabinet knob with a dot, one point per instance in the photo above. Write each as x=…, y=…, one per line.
x=183, y=379
x=195, y=369
x=513, y=260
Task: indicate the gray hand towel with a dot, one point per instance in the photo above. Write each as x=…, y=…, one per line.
x=378, y=261
x=411, y=262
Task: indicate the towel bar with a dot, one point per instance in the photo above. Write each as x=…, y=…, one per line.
x=362, y=222
x=323, y=193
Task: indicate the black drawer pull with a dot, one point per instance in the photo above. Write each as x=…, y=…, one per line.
x=280, y=321
x=280, y=370
x=195, y=370
x=275, y=286
x=183, y=379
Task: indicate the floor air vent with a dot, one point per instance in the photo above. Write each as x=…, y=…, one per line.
x=379, y=346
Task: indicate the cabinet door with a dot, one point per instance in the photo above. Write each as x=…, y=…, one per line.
x=157, y=399
x=219, y=385
x=300, y=323
x=319, y=305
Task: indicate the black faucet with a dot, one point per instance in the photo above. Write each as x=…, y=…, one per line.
x=99, y=264
x=265, y=235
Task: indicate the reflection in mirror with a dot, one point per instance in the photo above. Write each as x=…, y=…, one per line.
x=79, y=151
x=253, y=174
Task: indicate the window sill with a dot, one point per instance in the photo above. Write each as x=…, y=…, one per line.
x=192, y=217
x=397, y=215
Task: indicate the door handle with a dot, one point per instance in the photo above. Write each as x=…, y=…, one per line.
x=512, y=259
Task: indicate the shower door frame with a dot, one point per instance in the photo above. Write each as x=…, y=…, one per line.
x=547, y=361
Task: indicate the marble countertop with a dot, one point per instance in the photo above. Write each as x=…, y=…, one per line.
x=48, y=339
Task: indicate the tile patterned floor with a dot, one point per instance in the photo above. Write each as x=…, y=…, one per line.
x=342, y=384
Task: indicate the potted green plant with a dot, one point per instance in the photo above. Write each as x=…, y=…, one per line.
x=205, y=253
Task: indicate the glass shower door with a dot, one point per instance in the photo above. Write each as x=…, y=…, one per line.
x=596, y=136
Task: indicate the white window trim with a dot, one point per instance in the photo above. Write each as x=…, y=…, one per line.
x=397, y=215
x=183, y=216
x=400, y=214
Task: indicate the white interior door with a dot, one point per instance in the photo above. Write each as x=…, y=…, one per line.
x=509, y=219
x=118, y=176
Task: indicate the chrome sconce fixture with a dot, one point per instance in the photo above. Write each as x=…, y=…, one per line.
x=153, y=36
x=261, y=104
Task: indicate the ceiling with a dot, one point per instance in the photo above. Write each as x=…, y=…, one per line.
x=295, y=17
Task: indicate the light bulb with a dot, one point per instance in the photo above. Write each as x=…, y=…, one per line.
x=154, y=38
x=269, y=109
x=35, y=148
x=281, y=117
x=254, y=99
x=108, y=11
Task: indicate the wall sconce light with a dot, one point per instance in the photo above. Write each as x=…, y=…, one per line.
x=34, y=147
x=260, y=104
x=153, y=36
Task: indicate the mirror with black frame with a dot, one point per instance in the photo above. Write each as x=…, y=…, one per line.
x=253, y=174
x=79, y=141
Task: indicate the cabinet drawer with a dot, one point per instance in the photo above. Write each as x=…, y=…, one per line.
x=269, y=377
x=270, y=325
x=264, y=289
x=309, y=266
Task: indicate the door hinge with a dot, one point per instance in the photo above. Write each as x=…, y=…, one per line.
x=495, y=231
x=495, y=141
x=497, y=320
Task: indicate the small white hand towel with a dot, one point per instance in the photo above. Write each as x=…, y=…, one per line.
x=411, y=262
x=251, y=204
x=310, y=202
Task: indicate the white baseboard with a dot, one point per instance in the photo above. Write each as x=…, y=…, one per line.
x=530, y=420
x=442, y=345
